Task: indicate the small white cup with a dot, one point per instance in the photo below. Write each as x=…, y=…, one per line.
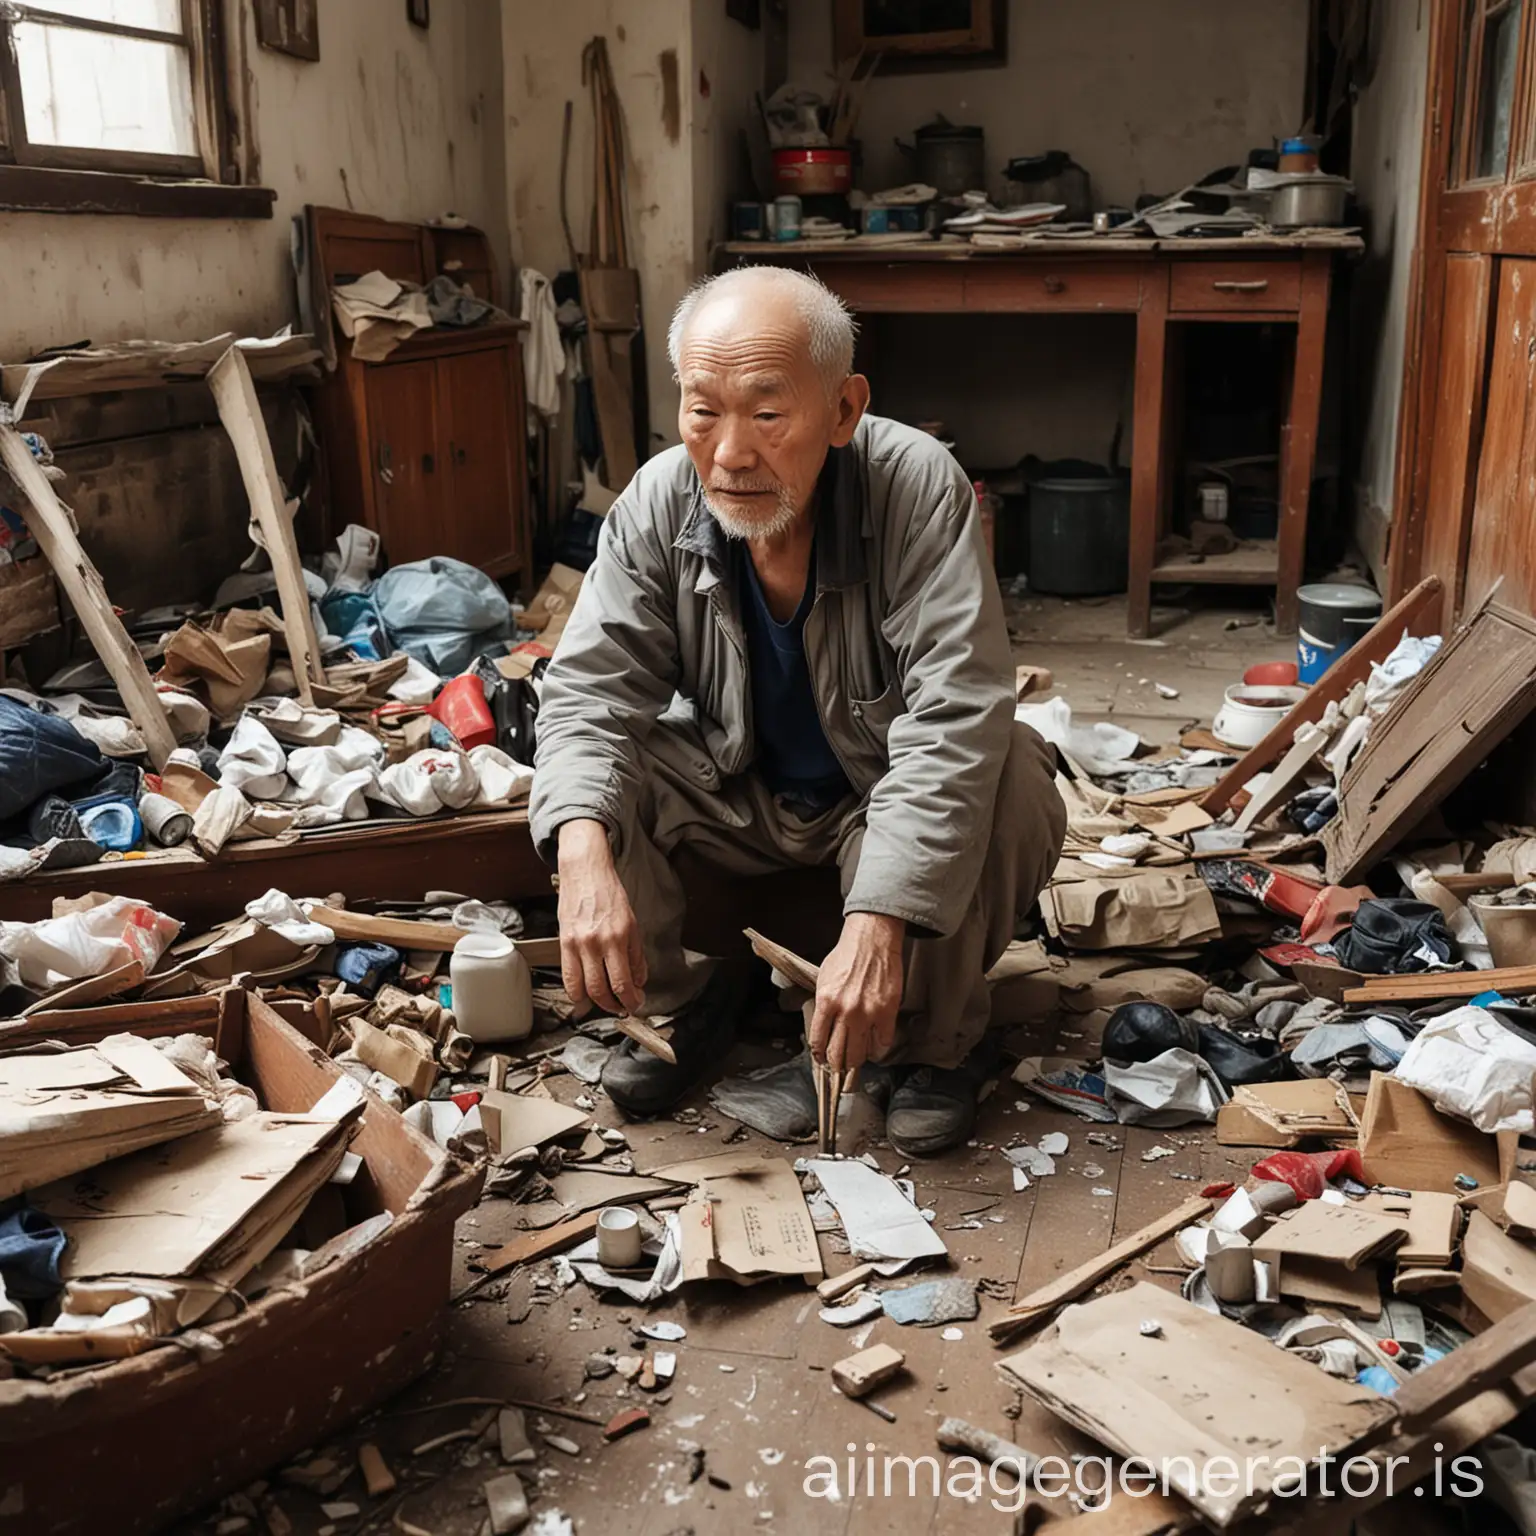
x=618, y=1238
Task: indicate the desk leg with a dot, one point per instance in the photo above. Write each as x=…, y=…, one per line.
x=1298, y=437
x=1149, y=442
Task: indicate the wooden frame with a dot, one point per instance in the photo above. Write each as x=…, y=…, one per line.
x=982, y=40
x=198, y=25
x=289, y=26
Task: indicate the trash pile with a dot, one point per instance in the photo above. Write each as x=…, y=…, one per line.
x=426, y=707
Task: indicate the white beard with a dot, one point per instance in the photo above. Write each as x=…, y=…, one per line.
x=735, y=526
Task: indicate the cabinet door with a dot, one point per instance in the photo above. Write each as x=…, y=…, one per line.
x=480, y=522
x=410, y=483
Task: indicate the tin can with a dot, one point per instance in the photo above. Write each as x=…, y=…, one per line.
x=748, y=221
x=1101, y=224
x=786, y=211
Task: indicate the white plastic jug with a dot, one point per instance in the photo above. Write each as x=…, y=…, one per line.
x=492, y=988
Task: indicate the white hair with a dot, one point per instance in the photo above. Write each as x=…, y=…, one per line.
x=829, y=328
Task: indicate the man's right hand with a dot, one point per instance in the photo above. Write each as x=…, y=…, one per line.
x=602, y=957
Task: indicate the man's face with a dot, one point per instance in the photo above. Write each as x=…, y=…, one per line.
x=757, y=416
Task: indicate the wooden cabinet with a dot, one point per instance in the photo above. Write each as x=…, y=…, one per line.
x=428, y=446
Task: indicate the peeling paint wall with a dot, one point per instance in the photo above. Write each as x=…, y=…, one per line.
x=1388, y=156
x=392, y=120
x=685, y=75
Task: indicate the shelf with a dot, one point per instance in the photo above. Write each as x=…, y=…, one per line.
x=1254, y=563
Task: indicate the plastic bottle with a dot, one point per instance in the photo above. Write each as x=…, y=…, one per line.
x=492, y=988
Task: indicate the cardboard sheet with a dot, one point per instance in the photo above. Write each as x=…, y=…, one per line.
x=174, y=1210
x=1434, y=1220
x=1498, y=1272
x=1281, y=1114
x=745, y=1221
x=514, y=1120
x=1203, y=1388
x=1331, y=1234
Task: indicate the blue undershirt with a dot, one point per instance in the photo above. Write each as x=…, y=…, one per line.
x=794, y=757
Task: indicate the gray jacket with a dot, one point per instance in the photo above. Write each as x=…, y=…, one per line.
x=905, y=641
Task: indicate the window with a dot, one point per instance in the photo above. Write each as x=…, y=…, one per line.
x=1486, y=108
x=124, y=85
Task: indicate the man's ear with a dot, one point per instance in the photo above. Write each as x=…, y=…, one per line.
x=852, y=402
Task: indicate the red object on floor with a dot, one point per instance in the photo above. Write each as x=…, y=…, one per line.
x=462, y=708
x=1390, y=1347
x=1296, y=954
x=1309, y=1173
x=1216, y=1191
x=1271, y=674
x=1332, y=912
x=466, y=1101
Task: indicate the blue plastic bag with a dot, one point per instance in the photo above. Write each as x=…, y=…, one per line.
x=443, y=612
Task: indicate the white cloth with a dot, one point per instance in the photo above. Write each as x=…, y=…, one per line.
x=1171, y=1089
x=1101, y=749
x=219, y=817
x=543, y=356
x=329, y=784
x=253, y=761
x=418, y=684
x=278, y=911
x=502, y=779
x=430, y=781
x=1466, y=1063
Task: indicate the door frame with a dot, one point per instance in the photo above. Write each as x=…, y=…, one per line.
x=1485, y=219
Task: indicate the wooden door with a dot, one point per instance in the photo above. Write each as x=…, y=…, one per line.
x=1503, y=539
x=410, y=484
x=1467, y=503
x=477, y=396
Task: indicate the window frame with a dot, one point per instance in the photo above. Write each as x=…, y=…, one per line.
x=199, y=36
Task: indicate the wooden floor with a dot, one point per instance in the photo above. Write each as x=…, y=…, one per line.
x=752, y=1388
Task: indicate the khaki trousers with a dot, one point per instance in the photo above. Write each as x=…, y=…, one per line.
x=740, y=829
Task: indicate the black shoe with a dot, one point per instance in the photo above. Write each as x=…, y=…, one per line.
x=642, y=1084
x=779, y=1101
x=934, y=1108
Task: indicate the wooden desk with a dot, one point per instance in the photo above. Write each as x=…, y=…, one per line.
x=1165, y=284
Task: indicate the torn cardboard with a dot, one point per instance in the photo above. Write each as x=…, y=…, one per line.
x=1283, y=1114
x=1407, y=1143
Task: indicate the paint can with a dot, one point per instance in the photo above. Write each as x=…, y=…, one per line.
x=786, y=218
x=1333, y=615
x=619, y=1239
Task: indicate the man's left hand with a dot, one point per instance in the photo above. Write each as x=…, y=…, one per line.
x=858, y=992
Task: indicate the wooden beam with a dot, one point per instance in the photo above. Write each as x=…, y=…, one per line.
x=401, y=932
x=1354, y=666
x=528, y=1247
x=1428, y=985
x=51, y=525
x=1056, y=1293
x=235, y=394
x=1489, y=1360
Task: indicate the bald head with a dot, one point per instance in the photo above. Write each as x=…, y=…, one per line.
x=795, y=305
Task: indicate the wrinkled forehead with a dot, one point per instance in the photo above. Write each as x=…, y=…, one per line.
x=742, y=334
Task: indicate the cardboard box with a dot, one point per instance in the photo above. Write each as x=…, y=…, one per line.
x=1282, y=1114
x=168, y=1432
x=1407, y=1143
x=1498, y=1272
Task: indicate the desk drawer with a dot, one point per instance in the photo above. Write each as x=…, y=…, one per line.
x=1233, y=285
x=1037, y=284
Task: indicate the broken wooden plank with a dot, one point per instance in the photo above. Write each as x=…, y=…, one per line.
x=1355, y=665
x=1489, y=1360
x=1063, y=1288
x=645, y=1034
x=50, y=524
x=1426, y=985
x=786, y=962
x=235, y=394
x=536, y=1245
x=400, y=932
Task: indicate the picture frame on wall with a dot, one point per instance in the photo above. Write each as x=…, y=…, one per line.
x=915, y=33
x=289, y=26
x=419, y=12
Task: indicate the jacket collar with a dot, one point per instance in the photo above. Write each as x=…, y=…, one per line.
x=842, y=527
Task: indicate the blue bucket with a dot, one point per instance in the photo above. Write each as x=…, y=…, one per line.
x=1334, y=614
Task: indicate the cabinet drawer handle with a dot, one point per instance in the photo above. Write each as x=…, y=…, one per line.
x=1054, y=284
x=1229, y=285
x=386, y=474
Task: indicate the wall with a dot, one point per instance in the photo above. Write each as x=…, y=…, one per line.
x=684, y=74
x=393, y=120
x=1147, y=95
x=1388, y=156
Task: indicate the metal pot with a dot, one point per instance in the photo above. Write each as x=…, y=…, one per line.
x=948, y=157
x=1315, y=202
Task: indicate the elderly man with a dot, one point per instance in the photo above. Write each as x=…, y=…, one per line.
x=790, y=651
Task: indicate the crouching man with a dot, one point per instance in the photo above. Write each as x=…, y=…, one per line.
x=790, y=651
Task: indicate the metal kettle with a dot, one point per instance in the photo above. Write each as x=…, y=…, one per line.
x=949, y=157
